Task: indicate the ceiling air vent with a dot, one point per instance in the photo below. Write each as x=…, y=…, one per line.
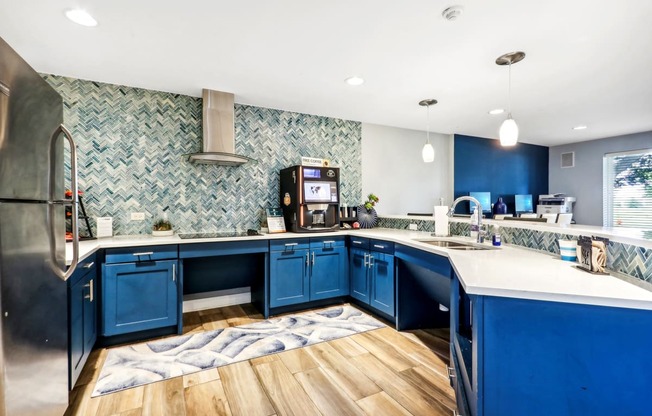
x=568, y=160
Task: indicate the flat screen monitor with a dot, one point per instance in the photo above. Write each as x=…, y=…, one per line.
x=485, y=200
x=523, y=203
x=320, y=191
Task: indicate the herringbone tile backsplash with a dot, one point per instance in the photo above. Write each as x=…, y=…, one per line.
x=131, y=146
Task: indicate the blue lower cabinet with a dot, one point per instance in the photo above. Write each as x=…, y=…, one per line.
x=359, y=274
x=328, y=276
x=382, y=282
x=139, y=296
x=289, y=278
x=82, y=310
x=372, y=274
x=307, y=269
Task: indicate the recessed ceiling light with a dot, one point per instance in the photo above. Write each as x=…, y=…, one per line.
x=354, y=81
x=81, y=17
x=582, y=127
x=496, y=111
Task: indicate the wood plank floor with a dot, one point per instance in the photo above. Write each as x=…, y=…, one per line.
x=380, y=372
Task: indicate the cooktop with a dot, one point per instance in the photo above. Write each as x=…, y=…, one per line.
x=220, y=234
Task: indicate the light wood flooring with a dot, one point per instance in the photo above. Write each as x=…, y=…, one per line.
x=380, y=372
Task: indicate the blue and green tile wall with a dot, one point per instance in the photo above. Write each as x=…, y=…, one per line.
x=131, y=146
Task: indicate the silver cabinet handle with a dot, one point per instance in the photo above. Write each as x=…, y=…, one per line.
x=451, y=375
x=174, y=272
x=378, y=246
x=329, y=242
x=451, y=372
x=365, y=260
x=88, y=265
x=470, y=313
x=73, y=204
x=291, y=244
x=90, y=291
x=313, y=258
x=307, y=259
x=356, y=242
x=371, y=263
x=144, y=253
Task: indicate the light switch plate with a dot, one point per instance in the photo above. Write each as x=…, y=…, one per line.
x=412, y=227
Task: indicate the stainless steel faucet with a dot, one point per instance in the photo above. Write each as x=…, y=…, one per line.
x=479, y=208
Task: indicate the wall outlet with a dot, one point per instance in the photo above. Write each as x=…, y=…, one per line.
x=138, y=216
x=412, y=227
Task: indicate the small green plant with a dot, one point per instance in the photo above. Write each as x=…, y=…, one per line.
x=371, y=201
x=162, y=225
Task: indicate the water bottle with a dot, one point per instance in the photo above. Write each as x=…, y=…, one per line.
x=475, y=229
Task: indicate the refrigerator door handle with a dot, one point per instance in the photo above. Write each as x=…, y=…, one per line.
x=74, y=204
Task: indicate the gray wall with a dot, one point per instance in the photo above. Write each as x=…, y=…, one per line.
x=392, y=168
x=584, y=181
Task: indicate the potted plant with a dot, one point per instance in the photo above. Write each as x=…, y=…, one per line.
x=162, y=227
x=367, y=217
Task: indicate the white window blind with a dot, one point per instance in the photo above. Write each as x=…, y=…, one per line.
x=627, y=199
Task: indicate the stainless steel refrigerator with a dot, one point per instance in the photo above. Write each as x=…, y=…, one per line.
x=33, y=289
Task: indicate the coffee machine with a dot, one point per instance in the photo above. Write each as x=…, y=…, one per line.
x=310, y=198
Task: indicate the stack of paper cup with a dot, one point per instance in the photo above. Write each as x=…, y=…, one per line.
x=441, y=220
x=568, y=250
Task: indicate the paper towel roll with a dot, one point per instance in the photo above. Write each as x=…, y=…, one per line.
x=441, y=220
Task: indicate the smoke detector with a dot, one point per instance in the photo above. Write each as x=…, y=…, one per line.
x=452, y=13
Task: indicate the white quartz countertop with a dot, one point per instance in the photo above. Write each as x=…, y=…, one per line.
x=507, y=271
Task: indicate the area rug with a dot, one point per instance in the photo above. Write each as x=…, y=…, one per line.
x=148, y=362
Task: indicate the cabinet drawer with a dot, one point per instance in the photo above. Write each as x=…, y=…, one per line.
x=147, y=253
x=359, y=242
x=289, y=244
x=381, y=246
x=327, y=242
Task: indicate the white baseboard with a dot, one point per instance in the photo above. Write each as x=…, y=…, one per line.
x=217, y=299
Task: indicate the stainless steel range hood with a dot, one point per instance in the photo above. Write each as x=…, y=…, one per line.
x=218, y=131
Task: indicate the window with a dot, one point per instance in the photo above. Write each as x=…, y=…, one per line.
x=627, y=189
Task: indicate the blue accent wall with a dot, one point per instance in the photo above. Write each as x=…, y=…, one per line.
x=484, y=165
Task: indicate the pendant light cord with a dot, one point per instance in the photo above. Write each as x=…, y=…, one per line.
x=509, y=91
x=428, y=124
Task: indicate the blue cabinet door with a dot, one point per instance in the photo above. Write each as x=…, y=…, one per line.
x=382, y=282
x=289, y=280
x=139, y=296
x=329, y=277
x=82, y=314
x=90, y=313
x=359, y=274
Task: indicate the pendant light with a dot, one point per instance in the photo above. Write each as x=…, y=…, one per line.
x=509, y=129
x=428, y=152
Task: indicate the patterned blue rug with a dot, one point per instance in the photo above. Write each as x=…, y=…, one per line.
x=139, y=364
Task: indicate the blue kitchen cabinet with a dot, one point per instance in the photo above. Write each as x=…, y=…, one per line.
x=307, y=269
x=382, y=282
x=328, y=268
x=359, y=274
x=139, y=295
x=82, y=315
x=289, y=278
x=516, y=356
x=371, y=265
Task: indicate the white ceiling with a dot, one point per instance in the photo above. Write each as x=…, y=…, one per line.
x=588, y=61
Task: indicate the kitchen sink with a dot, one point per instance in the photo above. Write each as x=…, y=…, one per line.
x=454, y=245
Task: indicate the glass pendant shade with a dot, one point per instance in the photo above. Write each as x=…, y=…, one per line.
x=428, y=153
x=508, y=132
